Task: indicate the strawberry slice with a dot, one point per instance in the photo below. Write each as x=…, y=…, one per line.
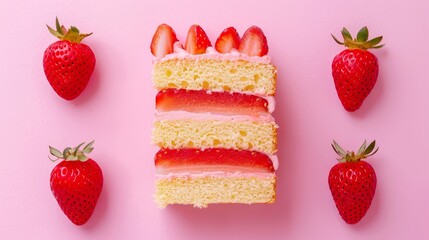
x=228, y=40
x=197, y=41
x=254, y=42
x=163, y=41
x=195, y=160
x=214, y=102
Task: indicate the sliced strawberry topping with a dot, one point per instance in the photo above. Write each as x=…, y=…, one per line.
x=254, y=42
x=214, y=102
x=163, y=41
x=212, y=159
x=227, y=40
x=197, y=41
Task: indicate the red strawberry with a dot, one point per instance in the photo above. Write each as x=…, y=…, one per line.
x=163, y=41
x=353, y=182
x=228, y=40
x=254, y=42
x=355, y=70
x=211, y=159
x=197, y=41
x=76, y=182
x=68, y=63
x=214, y=102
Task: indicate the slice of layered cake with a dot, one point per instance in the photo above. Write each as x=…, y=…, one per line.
x=213, y=121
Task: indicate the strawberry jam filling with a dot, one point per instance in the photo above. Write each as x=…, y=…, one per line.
x=194, y=160
x=200, y=101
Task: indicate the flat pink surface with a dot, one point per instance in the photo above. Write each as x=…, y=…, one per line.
x=117, y=111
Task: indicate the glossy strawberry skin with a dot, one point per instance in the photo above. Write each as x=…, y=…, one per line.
x=68, y=67
x=352, y=185
x=214, y=102
x=197, y=40
x=254, y=42
x=77, y=186
x=194, y=157
x=163, y=41
x=355, y=73
x=228, y=40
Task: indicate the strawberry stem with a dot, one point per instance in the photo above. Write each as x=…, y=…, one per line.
x=72, y=154
x=361, y=40
x=362, y=35
x=58, y=26
x=347, y=156
x=73, y=34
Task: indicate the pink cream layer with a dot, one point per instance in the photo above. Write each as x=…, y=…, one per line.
x=211, y=53
x=215, y=174
x=180, y=115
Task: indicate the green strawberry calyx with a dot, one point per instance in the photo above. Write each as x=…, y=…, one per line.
x=361, y=41
x=363, y=152
x=72, y=34
x=72, y=154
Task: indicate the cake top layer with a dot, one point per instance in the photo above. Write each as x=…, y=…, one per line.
x=252, y=46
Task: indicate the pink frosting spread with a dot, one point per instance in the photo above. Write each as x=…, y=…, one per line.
x=211, y=53
x=275, y=160
x=271, y=103
x=214, y=174
x=178, y=115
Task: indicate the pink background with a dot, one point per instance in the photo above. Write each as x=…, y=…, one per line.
x=117, y=111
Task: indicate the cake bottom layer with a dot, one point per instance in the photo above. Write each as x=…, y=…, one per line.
x=203, y=190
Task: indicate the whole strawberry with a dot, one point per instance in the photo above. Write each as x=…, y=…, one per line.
x=355, y=70
x=68, y=63
x=76, y=182
x=352, y=182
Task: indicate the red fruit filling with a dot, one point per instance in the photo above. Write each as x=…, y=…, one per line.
x=193, y=160
x=213, y=102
